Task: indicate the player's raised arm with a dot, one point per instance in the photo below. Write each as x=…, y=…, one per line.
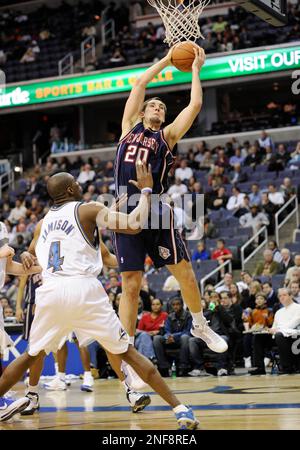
x=177, y=129
x=120, y=222
x=137, y=95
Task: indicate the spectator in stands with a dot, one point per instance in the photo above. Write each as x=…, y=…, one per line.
x=295, y=291
x=29, y=56
x=218, y=200
x=237, y=175
x=238, y=158
x=290, y=271
x=117, y=58
x=268, y=266
x=4, y=302
x=248, y=296
x=254, y=157
x=221, y=254
x=270, y=294
x=265, y=140
x=286, y=321
x=178, y=189
x=34, y=208
x=275, y=196
x=209, y=230
x=270, y=209
x=207, y=161
x=8, y=312
x=258, y=320
x=150, y=325
x=18, y=212
x=254, y=219
x=255, y=195
x=183, y=172
x=147, y=294
x=286, y=261
x=279, y=160
x=272, y=245
x=287, y=189
x=171, y=284
x=235, y=294
x=86, y=174
x=220, y=25
x=200, y=254
x=114, y=285
x=177, y=336
x=135, y=11
x=295, y=158
x=235, y=202
x=221, y=160
x=227, y=282
x=219, y=320
x=218, y=176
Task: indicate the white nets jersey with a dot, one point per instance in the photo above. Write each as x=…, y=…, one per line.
x=63, y=249
x=3, y=241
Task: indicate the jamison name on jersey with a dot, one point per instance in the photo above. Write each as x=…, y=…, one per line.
x=61, y=224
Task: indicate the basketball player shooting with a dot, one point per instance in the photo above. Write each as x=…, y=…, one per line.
x=71, y=297
x=143, y=136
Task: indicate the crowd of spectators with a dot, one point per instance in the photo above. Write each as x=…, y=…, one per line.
x=235, y=310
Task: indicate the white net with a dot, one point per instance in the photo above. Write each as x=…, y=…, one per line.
x=180, y=18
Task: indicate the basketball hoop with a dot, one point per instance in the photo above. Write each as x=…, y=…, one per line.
x=180, y=18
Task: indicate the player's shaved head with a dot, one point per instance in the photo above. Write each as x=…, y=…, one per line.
x=62, y=186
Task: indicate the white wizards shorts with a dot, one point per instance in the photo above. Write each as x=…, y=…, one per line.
x=79, y=305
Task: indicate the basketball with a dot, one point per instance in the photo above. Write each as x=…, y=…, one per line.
x=183, y=56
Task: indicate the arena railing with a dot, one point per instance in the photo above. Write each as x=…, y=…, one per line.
x=209, y=275
x=244, y=259
x=278, y=224
x=7, y=180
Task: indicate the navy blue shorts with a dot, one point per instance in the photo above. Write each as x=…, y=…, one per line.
x=164, y=246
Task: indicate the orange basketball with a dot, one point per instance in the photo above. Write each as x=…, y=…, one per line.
x=183, y=56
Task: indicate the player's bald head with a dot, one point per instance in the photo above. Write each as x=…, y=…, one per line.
x=62, y=186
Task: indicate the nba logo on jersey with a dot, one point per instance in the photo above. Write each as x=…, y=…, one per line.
x=164, y=252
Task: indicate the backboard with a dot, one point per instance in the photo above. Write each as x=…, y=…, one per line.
x=271, y=11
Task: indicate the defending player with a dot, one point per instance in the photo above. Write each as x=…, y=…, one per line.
x=71, y=297
x=144, y=137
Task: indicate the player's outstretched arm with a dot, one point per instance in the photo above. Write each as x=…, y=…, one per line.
x=177, y=129
x=120, y=222
x=137, y=95
x=17, y=269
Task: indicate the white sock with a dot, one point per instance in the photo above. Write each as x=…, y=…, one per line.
x=88, y=374
x=33, y=389
x=198, y=318
x=131, y=340
x=180, y=408
x=61, y=375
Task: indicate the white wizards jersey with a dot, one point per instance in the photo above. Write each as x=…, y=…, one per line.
x=3, y=261
x=63, y=249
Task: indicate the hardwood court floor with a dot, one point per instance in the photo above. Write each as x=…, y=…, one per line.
x=236, y=402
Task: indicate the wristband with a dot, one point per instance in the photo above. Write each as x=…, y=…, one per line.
x=146, y=190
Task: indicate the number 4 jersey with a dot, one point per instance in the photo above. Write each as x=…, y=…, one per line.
x=63, y=249
x=151, y=147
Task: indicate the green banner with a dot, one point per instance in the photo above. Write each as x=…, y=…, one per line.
x=88, y=85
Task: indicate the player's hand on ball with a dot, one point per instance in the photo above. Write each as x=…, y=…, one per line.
x=143, y=175
x=199, y=59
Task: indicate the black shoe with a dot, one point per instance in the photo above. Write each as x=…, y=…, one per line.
x=257, y=371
